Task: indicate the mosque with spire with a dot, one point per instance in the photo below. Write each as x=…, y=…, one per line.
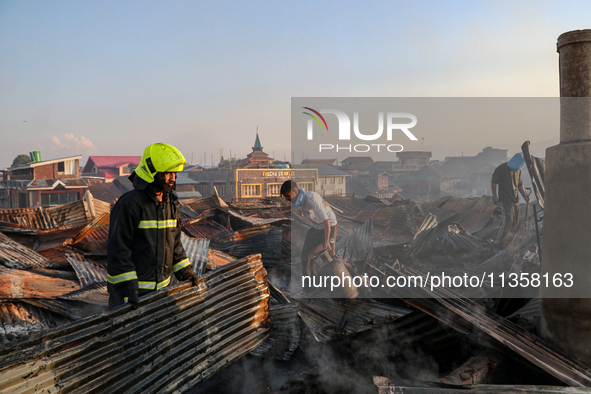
x=256, y=176
x=257, y=158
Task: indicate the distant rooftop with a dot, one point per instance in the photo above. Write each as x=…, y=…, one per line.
x=323, y=169
x=45, y=162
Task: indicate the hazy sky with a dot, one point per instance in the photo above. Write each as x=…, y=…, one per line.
x=110, y=77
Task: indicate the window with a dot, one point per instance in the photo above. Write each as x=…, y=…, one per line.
x=66, y=167
x=221, y=188
x=128, y=169
x=251, y=190
x=322, y=181
x=273, y=189
x=331, y=181
x=307, y=186
x=340, y=180
x=203, y=188
x=58, y=198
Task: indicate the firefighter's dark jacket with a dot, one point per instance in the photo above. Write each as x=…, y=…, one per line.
x=144, y=245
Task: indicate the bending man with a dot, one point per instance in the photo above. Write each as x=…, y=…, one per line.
x=323, y=232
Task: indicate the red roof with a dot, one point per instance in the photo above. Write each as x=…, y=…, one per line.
x=114, y=161
x=111, y=161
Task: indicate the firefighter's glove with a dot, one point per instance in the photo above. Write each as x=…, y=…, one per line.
x=189, y=275
x=122, y=293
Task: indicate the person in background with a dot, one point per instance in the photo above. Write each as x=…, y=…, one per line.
x=507, y=177
x=323, y=232
x=144, y=245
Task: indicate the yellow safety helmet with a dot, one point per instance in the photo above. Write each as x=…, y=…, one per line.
x=159, y=158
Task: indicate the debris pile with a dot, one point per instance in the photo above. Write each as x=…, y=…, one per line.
x=57, y=334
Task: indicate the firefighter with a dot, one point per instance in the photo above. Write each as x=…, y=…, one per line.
x=144, y=245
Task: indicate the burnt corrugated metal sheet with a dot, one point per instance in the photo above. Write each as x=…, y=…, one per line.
x=73, y=213
x=269, y=214
x=15, y=284
x=328, y=319
x=177, y=338
x=530, y=347
x=284, y=336
x=472, y=214
x=197, y=251
x=96, y=240
x=33, y=218
x=64, y=308
x=218, y=258
x=204, y=228
x=94, y=294
x=442, y=238
x=358, y=242
x=350, y=204
x=89, y=275
x=101, y=207
x=200, y=204
x=57, y=254
x=98, y=222
x=263, y=239
x=259, y=218
x=13, y=255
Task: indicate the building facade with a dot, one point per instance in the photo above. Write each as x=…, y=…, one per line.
x=44, y=183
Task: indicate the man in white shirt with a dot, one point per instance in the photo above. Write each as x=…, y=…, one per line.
x=323, y=232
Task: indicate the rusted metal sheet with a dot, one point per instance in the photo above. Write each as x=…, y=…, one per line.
x=40, y=218
x=33, y=218
x=15, y=284
x=101, y=207
x=95, y=294
x=100, y=221
x=73, y=213
x=13, y=255
x=57, y=254
x=89, y=275
x=177, y=338
x=217, y=258
x=96, y=240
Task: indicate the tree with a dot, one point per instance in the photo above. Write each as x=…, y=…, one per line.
x=20, y=160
